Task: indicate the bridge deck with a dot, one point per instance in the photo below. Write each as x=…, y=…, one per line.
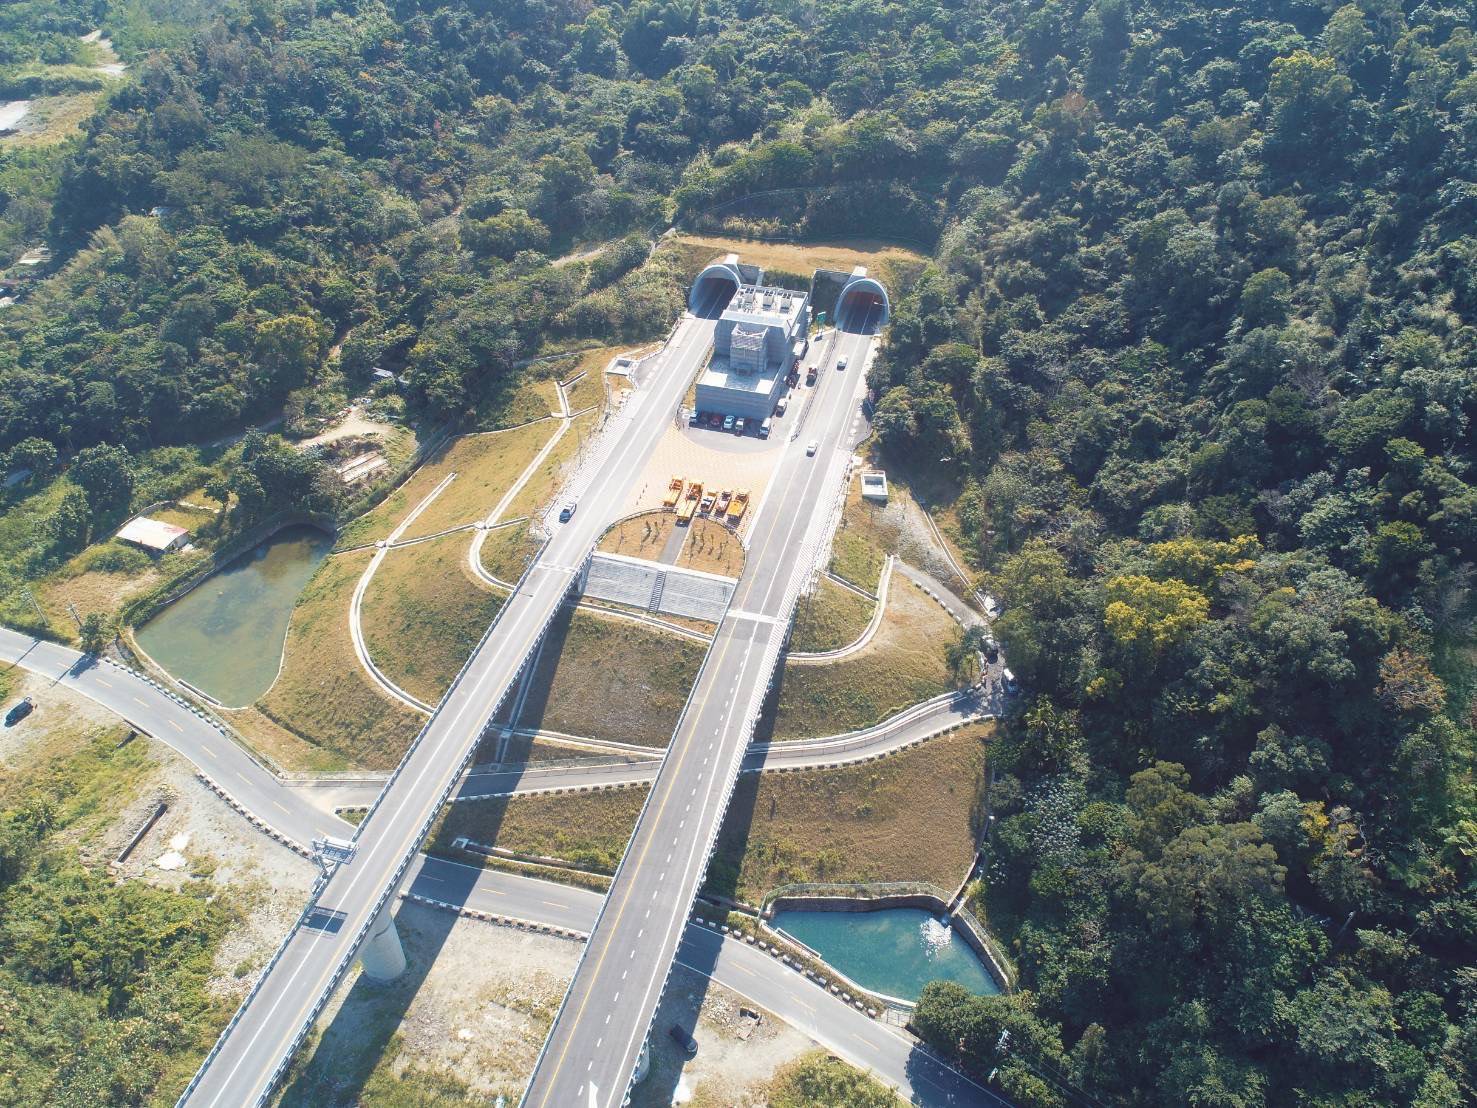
x=256, y=1046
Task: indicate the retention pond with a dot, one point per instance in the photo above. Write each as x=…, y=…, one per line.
x=895, y=951
x=225, y=636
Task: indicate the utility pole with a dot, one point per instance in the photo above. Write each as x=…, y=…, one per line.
x=31, y=600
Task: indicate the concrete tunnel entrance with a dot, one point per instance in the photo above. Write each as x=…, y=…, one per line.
x=712, y=290
x=862, y=308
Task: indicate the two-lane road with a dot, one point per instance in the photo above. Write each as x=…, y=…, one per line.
x=592, y=1051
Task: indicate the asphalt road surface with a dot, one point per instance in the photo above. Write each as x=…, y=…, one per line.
x=592, y=1050
x=759, y=977
x=257, y=1045
x=751, y=974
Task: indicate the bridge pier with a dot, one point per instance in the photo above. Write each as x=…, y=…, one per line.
x=382, y=955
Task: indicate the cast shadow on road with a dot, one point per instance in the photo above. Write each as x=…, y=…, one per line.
x=362, y=1032
x=335, y=1074
x=681, y=1003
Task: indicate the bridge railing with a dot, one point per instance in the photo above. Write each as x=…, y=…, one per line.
x=592, y=463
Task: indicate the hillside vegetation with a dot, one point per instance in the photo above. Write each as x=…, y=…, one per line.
x=1188, y=373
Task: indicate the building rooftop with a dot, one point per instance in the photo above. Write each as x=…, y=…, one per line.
x=151, y=534
x=720, y=374
x=765, y=304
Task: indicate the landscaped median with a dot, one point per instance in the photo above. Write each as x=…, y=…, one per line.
x=911, y=816
x=905, y=662
x=423, y=613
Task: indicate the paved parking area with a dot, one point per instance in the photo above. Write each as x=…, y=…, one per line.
x=696, y=456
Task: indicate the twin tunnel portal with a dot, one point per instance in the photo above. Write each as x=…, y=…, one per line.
x=861, y=307
x=586, y=1061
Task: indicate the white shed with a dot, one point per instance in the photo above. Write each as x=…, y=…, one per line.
x=153, y=535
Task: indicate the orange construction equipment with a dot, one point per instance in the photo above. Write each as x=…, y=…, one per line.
x=674, y=494
x=690, y=503
x=737, y=506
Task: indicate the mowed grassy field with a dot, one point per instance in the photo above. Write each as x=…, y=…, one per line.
x=589, y=829
x=913, y=816
x=423, y=612
x=863, y=539
x=486, y=465
x=829, y=618
x=507, y=551
x=322, y=693
x=608, y=678
x=556, y=469
x=532, y=398
x=904, y=663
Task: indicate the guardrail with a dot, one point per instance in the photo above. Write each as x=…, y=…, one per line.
x=358, y=940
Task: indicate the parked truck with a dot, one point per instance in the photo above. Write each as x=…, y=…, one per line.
x=737, y=506
x=721, y=507
x=690, y=503
x=674, y=494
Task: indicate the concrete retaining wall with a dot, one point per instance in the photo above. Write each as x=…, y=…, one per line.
x=657, y=588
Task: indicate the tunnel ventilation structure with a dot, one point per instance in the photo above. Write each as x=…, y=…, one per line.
x=862, y=307
x=712, y=290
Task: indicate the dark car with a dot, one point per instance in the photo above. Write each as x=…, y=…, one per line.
x=567, y=510
x=684, y=1040
x=19, y=711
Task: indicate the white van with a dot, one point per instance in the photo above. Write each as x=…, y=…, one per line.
x=765, y=428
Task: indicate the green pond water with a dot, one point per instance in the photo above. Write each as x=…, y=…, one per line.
x=893, y=950
x=225, y=636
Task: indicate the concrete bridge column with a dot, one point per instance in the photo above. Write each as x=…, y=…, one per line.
x=382, y=955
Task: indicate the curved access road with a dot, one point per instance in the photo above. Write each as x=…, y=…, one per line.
x=152, y=709
x=733, y=964
x=300, y=812
x=891, y=1054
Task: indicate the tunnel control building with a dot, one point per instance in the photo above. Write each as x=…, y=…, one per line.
x=753, y=344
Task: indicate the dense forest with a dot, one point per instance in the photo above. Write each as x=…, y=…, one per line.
x=1196, y=345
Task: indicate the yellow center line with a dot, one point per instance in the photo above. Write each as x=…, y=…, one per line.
x=105, y=684
x=176, y=726
x=682, y=754
x=626, y=899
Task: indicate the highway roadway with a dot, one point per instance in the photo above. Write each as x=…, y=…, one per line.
x=737, y=965
x=257, y=1045
x=759, y=978
x=592, y=1050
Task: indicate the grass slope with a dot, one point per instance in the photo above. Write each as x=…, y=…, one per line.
x=424, y=612
x=485, y=465
x=910, y=817
x=611, y=679
x=903, y=664
x=322, y=692
x=829, y=618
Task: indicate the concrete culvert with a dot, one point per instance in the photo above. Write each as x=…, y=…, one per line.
x=863, y=307
x=712, y=291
